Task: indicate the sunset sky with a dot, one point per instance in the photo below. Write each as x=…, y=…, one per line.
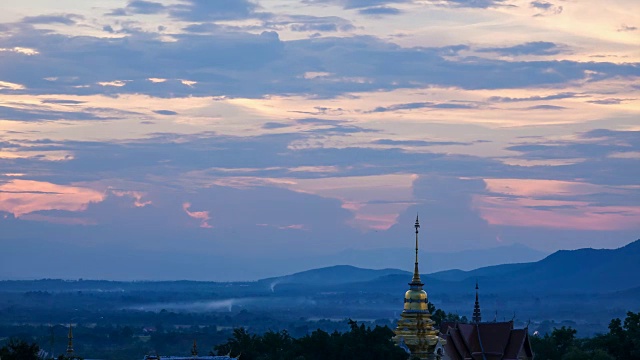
x=218, y=140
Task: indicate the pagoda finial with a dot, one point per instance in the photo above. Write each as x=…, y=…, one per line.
x=194, y=349
x=477, y=317
x=70, y=343
x=416, y=272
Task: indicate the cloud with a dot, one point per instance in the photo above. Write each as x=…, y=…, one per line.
x=416, y=142
x=63, y=101
x=5, y=85
x=547, y=8
x=233, y=63
x=609, y=101
x=275, y=125
x=20, y=197
x=40, y=113
x=312, y=23
x=479, y=4
x=421, y=105
x=379, y=10
x=597, y=148
x=358, y=4
x=541, y=5
x=546, y=107
x=203, y=28
x=144, y=7
x=165, y=112
x=203, y=216
x=552, y=204
x=206, y=10
x=64, y=19
x=564, y=95
x=540, y=48
x=625, y=28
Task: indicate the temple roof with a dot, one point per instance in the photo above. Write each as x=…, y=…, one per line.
x=485, y=341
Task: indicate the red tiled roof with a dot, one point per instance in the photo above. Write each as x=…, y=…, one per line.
x=485, y=341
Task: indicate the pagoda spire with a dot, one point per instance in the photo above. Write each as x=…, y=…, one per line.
x=194, y=349
x=416, y=273
x=415, y=331
x=477, y=317
x=70, y=343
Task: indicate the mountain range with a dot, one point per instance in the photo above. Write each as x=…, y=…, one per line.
x=565, y=271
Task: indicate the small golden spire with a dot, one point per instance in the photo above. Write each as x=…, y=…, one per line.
x=416, y=273
x=70, y=344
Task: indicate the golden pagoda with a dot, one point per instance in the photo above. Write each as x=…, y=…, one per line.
x=415, y=331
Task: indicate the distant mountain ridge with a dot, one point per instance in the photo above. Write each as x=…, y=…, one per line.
x=582, y=270
x=338, y=274
x=401, y=258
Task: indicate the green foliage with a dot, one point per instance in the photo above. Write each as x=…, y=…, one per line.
x=555, y=345
x=359, y=343
x=440, y=316
x=623, y=339
x=19, y=350
x=621, y=343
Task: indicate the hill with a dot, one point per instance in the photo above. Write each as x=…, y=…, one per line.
x=332, y=275
x=565, y=271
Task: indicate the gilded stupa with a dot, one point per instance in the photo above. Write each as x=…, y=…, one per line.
x=415, y=330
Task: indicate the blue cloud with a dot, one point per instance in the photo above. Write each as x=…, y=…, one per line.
x=480, y=4
x=541, y=5
x=36, y=113
x=358, y=4
x=206, y=10
x=421, y=105
x=546, y=107
x=165, y=112
x=144, y=7
x=417, y=142
x=274, y=125
x=65, y=19
x=564, y=95
x=380, y=10
x=242, y=64
x=530, y=48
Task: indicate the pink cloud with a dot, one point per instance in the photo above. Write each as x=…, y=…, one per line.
x=21, y=197
x=137, y=197
x=203, y=216
x=524, y=202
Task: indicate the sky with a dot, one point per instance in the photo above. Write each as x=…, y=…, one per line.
x=240, y=139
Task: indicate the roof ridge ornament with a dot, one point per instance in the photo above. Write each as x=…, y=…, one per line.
x=477, y=316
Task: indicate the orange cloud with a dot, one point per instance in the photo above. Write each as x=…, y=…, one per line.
x=21, y=197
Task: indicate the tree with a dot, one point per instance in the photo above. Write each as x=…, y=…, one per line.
x=359, y=343
x=554, y=346
x=439, y=316
x=19, y=350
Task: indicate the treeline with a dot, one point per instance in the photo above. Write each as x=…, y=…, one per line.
x=622, y=342
x=360, y=343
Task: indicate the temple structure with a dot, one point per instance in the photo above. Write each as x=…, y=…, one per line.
x=415, y=331
x=455, y=341
x=70, y=343
x=485, y=340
